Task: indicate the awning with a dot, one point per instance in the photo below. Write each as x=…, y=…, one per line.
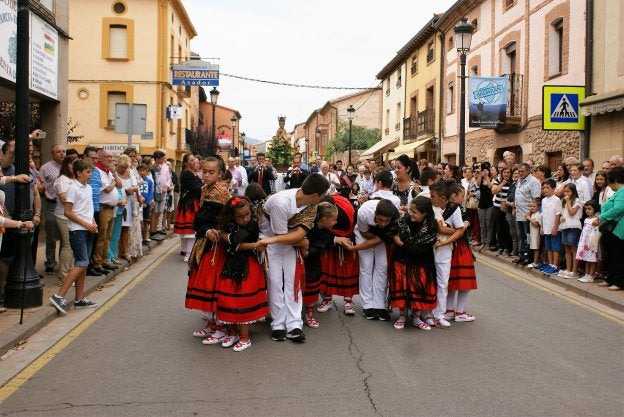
x=379, y=146
x=407, y=148
x=603, y=103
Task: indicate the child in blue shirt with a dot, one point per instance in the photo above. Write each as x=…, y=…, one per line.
x=147, y=192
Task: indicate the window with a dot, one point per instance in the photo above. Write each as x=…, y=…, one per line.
x=113, y=98
x=398, y=117
x=388, y=87
x=398, y=77
x=555, y=50
x=509, y=59
x=508, y=4
x=430, y=51
x=451, y=43
x=450, y=99
x=414, y=67
x=387, y=130
x=474, y=70
x=475, y=24
x=118, y=42
x=117, y=39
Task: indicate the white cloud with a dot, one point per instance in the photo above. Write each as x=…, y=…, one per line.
x=323, y=42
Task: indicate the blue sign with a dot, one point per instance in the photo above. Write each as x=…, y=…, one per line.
x=195, y=72
x=488, y=102
x=560, y=107
x=564, y=108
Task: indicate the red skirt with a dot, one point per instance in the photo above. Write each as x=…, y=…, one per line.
x=200, y=291
x=184, y=220
x=243, y=301
x=340, y=279
x=412, y=287
x=463, y=276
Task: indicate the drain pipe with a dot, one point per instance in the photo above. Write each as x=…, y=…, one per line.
x=589, y=73
x=441, y=96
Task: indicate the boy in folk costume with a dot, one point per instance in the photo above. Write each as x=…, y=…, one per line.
x=286, y=218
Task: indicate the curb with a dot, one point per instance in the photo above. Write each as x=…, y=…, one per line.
x=35, y=321
x=590, y=291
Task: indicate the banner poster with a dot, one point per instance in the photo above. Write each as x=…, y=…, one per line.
x=487, y=102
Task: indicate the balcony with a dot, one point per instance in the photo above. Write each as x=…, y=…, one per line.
x=183, y=91
x=398, y=82
x=397, y=126
x=424, y=126
x=387, y=131
x=515, y=100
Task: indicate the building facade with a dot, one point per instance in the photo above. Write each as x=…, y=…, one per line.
x=529, y=42
x=123, y=52
x=224, y=130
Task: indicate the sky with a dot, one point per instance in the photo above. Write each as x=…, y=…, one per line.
x=342, y=43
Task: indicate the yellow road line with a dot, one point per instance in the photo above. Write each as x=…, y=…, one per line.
x=552, y=291
x=27, y=373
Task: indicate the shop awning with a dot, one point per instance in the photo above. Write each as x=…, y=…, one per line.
x=381, y=145
x=603, y=103
x=408, y=148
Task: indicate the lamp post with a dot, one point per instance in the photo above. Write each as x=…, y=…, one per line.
x=214, y=96
x=242, y=135
x=463, y=37
x=307, y=152
x=350, y=114
x=233, y=120
x=317, y=136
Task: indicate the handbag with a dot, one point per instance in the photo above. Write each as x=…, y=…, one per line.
x=472, y=203
x=608, y=226
x=594, y=240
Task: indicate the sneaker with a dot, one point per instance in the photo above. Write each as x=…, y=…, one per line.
x=563, y=274
x=450, y=315
x=49, y=270
x=93, y=273
x=296, y=335
x=84, y=303
x=399, y=324
x=312, y=322
x=59, y=303
x=278, y=335
x=187, y=256
x=443, y=323
x=116, y=261
x=614, y=288
x=325, y=305
x=371, y=314
x=230, y=341
x=573, y=275
x=532, y=265
x=348, y=308
x=110, y=267
x=428, y=320
x=215, y=338
x=383, y=314
x=417, y=322
x=541, y=266
x=586, y=278
x=604, y=284
x=459, y=317
x=241, y=345
x=551, y=270
x=205, y=332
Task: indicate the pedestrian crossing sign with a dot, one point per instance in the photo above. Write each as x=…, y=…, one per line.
x=560, y=105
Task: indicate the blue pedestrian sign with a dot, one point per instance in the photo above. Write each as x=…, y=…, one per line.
x=560, y=106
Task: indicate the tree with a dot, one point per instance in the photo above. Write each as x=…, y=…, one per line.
x=361, y=138
x=280, y=151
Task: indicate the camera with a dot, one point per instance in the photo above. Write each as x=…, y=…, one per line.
x=480, y=166
x=40, y=135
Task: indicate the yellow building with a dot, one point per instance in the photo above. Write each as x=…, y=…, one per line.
x=122, y=51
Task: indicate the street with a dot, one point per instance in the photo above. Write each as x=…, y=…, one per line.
x=530, y=352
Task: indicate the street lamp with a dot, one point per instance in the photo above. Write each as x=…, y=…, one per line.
x=317, y=135
x=350, y=114
x=214, y=96
x=242, y=134
x=463, y=36
x=233, y=120
x=307, y=152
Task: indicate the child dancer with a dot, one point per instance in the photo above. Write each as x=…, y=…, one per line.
x=584, y=251
x=449, y=230
x=320, y=238
x=462, y=278
x=207, y=258
x=570, y=229
x=412, y=276
x=241, y=287
x=535, y=219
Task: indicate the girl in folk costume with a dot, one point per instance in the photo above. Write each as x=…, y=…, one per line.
x=462, y=278
x=241, y=287
x=450, y=229
x=406, y=174
x=256, y=195
x=190, y=192
x=340, y=270
x=320, y=239
x=207, y=257
x=412, y=275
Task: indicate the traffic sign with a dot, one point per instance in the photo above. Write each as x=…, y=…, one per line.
x=560, y=107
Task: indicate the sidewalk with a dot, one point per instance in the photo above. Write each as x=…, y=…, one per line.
x=611, y=299
x=12, y=333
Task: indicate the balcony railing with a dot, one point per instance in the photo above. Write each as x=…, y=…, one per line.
x=424, y=124
x=414, y=69
x=514, y=99
x=397, y=126
x=387, y=91
x=387, y=131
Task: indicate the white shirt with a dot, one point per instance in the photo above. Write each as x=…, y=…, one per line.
x=388, y=195
x=572, y=221
x=61, y=185
x=443, y=253
x=583, y=189
x=245, y=182
x=551, y=206
x=81, y=198
x=109, y=198
x=366, y=215
x=279, y=207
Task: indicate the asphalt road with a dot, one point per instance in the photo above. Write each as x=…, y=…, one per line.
x=530, y=352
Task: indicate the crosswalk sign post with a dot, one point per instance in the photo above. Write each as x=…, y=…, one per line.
x=560, y=107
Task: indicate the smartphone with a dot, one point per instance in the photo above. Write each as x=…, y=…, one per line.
x=40, y=135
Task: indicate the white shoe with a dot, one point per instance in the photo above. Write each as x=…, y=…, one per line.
x=563, y=274
x=187, y=256
x=348, y=309
x=325, y=305
x=464, y=317
x=586, y=278
x=216, y=338
x=443, y=323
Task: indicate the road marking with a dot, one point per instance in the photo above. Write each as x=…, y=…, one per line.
x=27, y=373
x=554, y=290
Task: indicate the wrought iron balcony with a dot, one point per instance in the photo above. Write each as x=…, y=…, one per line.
x=515, y=100
x=424, y=125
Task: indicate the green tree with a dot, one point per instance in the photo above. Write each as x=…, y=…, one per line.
x=280, y=151
x=361, y=138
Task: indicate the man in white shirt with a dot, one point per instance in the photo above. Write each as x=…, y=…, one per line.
x=243, y=172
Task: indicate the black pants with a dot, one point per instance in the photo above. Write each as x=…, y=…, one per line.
x=503, y=236
x=613, y=259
